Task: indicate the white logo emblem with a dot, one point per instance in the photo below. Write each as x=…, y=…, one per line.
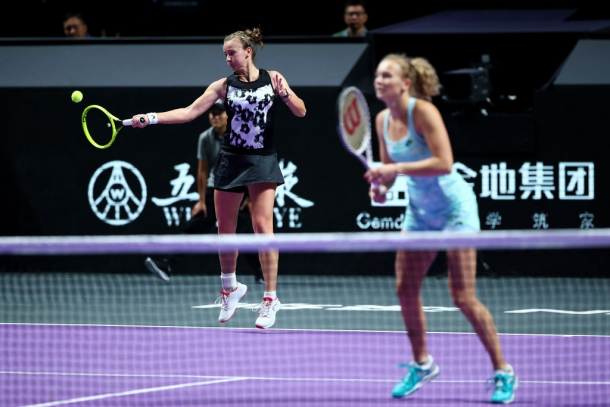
x=180, y=192
x=285, y=190
x=117, y=204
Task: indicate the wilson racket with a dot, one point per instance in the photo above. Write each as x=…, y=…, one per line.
x=100, y=126
x=355, y=125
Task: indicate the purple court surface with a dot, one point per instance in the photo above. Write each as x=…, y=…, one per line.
x=90, y=365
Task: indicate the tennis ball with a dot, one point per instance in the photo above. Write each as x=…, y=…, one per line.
x=77, y=96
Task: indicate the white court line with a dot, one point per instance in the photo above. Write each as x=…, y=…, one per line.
x=558, y=311
x=289, y=329
x=182, y=376
x=222, y=379
x=129, y=393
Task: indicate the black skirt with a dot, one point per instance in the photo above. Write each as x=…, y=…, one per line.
x=234, y=172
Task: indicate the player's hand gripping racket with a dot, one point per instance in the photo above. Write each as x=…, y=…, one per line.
x=100, y=126
x=355, y=125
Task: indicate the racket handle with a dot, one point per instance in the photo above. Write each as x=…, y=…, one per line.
x=128, y=121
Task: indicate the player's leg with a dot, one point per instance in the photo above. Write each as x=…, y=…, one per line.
x=462, y=285
x=244, y=225
x=462, y=275
x=263, y=199
x=411, y=268
x=227, y=206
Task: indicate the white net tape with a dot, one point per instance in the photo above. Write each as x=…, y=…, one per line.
x=305, y=242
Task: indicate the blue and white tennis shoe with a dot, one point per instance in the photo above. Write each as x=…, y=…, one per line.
x=504, y=384
x=415, y=377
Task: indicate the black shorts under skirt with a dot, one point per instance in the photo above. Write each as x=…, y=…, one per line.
x=234, y=172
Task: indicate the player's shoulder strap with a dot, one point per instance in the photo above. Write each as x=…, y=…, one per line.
x=410, y=121
x=264, y=75
x=386, y=125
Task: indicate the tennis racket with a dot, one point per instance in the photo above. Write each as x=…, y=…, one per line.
x=100, y=126
x=355, y=125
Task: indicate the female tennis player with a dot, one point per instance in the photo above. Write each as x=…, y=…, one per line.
x=247, y=159
x=413, y=141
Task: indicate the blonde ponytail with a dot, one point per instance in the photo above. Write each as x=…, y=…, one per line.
x=424, y=80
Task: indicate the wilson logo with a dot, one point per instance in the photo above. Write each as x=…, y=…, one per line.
x=117, y=194
x=351, y=118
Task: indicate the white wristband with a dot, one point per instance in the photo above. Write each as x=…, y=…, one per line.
x=152, y=118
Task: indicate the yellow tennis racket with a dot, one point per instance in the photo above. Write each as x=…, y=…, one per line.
x=100, y=126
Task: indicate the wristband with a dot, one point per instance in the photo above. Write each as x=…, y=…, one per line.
x=152, y=118
x=286, y=97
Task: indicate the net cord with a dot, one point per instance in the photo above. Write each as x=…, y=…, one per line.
x=305, y=242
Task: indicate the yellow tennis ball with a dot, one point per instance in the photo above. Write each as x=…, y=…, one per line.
x=77, y=96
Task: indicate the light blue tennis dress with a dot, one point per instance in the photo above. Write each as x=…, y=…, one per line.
x=444, y=202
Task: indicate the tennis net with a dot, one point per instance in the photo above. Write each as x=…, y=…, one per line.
x=73, y=332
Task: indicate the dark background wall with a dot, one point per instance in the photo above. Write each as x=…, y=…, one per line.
x=43, y=18
x=49, y=166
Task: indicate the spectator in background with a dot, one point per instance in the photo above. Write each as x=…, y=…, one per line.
x=203, y=214
x=75, y=25
x=355, y=18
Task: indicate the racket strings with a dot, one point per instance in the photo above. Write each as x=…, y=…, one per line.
x=99, y=127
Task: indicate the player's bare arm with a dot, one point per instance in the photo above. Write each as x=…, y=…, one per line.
x=294, y=103
x=430, y=124
x=186, y=114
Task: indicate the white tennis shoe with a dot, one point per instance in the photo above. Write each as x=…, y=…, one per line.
x=228, y=301
x=266, y=312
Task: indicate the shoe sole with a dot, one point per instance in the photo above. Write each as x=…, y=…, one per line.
x=222, y=322
x=420, y=384
x=262, y=327
x=152, y=267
